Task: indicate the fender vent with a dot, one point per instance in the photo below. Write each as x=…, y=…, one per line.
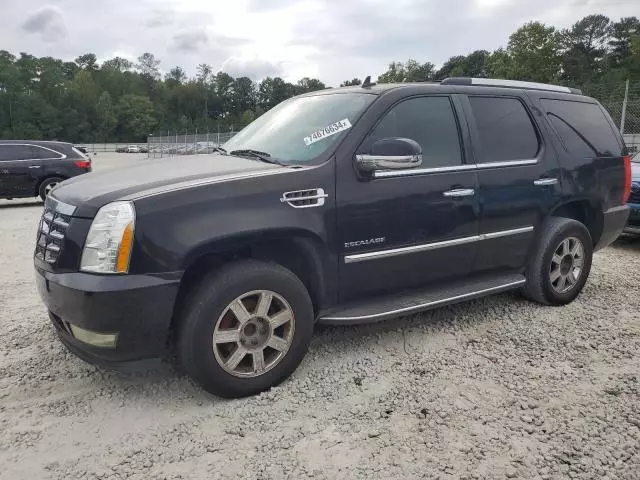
x=305, y=198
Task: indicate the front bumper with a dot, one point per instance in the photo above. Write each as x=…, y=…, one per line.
x=613, y=223
x=136, y=308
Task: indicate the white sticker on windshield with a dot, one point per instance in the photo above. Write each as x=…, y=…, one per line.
x=325, y=132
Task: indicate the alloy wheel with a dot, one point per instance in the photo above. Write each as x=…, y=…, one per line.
x=253, y=334
x=567, y=264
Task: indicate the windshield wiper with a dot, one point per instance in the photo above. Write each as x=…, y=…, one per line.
x=262, y=156
x=219, y=149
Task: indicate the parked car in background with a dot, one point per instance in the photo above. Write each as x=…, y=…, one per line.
x=33, y=168
x=366, y=203
x=82, y=149
x=133, y=149
x=633, y=225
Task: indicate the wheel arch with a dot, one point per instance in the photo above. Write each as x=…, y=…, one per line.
x=44, y=179
x=587, y=211
x=302, y=252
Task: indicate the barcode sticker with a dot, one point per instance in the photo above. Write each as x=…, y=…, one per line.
x=327, y=131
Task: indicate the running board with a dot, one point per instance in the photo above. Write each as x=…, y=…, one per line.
x=390, y=306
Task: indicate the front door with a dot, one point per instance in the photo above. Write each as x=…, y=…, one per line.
x=400, y=229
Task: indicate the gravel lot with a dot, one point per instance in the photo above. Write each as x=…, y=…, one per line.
x=495, y=388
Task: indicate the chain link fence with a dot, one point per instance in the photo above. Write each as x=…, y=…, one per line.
x=185, y=143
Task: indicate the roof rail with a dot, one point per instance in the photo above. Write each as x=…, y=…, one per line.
x=496, y=82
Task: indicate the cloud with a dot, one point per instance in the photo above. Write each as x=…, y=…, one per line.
x=47, y=22
x=190, y=41
x=254, y=68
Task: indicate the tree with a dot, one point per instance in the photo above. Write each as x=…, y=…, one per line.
x=534, y=52
x=410, y=71
x=136, y=115
x=204, y=73
x=307, y=84
x=585, y=48
x=472, y=65
x=176, y=76
x=106, y=119
x=148, y=65
x=87, y=62
x=621, y=42
x=351, y=83
x=117, y=64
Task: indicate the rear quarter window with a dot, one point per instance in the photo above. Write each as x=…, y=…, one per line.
x=583, y=128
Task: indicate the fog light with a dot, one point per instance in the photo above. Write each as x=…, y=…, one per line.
x=105, y=340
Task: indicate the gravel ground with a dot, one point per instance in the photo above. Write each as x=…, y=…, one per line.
x=495, y=388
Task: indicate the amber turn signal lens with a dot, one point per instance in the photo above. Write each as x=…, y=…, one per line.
x=124, y=251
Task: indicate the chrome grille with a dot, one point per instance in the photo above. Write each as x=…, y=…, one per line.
x=52, y=231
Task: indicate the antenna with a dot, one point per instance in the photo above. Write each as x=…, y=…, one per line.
x=367, y=82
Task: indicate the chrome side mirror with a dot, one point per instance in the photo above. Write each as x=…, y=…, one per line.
x=391, y=154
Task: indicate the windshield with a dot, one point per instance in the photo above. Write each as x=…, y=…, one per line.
x=300, y=129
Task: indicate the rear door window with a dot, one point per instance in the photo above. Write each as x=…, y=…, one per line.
x=505, y=129
x=583, y=128
x=43, y=153
x=15, y=152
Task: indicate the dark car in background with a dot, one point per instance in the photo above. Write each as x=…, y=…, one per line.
x=33, y=168
x=633, y=225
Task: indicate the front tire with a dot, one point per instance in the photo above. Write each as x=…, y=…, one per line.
x=245, y=329
x=560, y=264
x=47, y=185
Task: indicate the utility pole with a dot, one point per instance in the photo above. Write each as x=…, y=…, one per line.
x=624, y=106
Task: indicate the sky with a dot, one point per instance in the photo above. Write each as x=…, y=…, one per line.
x=333, y=40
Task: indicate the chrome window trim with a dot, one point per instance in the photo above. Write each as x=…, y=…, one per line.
x=361, y=257
x=456, y=168
x=61, y=156
x=433, y=303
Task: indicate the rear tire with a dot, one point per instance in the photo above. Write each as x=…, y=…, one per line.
x=245, y=328
x=47, y=185
x=560, y=264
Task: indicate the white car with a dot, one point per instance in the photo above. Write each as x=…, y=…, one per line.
x=133, y=149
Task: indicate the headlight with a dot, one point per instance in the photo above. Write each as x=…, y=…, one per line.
x=107, y=248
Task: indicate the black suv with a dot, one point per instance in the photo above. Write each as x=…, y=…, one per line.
x=31, y=168
x=340, y=206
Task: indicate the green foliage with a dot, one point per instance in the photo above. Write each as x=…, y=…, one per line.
x=82, y=101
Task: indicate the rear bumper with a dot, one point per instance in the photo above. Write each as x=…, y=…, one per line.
x=137, y=309
x=614, y=221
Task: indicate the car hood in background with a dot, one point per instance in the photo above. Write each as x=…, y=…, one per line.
x=90, y=192
x=635, y=171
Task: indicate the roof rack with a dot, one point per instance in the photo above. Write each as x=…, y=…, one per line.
x=496, y=82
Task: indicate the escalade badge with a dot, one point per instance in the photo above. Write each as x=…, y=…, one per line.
x=362, y=243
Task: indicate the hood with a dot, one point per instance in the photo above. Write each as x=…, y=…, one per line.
x=91, y=191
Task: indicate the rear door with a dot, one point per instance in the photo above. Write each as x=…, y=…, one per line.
x=518, y=177
x=19, y=170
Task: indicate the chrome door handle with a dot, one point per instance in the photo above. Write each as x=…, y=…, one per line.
x=459, y=192
x=545, y=181
x=34, y=166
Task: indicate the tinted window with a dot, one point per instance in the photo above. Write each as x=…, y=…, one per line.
x=430, y=121
x=505, y=129
x=39, y=152
x=583, y=128
x=15, y=152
